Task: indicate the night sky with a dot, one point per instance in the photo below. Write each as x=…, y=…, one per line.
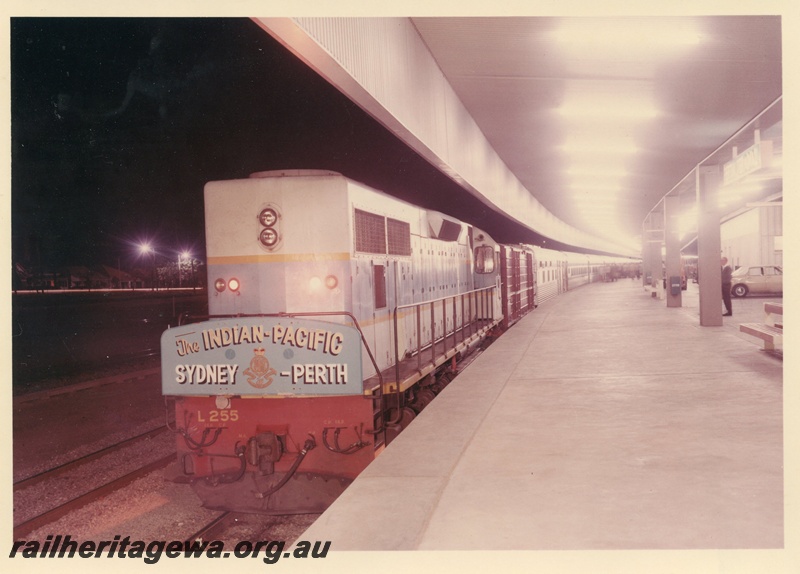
x=118, y=123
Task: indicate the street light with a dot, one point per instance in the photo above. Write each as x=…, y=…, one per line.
x=181, y=256
x=187, y=255
x=147, y=249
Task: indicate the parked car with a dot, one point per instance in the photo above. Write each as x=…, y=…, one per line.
x=757, y=280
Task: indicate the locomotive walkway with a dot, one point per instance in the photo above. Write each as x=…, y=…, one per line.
x=602, y=420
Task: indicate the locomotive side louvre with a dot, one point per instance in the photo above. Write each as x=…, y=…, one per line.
x=381, y=238
x=417, y=256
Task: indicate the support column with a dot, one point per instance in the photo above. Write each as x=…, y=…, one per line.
x=652, y=239
x=672, y=205
x=645, y=252
x=708, y=180
x=658, y=266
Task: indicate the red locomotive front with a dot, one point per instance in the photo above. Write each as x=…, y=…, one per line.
x=270, y=411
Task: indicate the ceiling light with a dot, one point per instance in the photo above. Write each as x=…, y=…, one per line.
x=586, y=199
x=616, y=150
x=597, y=208
x=598, y=211
x=599, y=183
x=595, y=213
x=630, y=39
x=615, y=103
x=614, y=112
x=596, y=169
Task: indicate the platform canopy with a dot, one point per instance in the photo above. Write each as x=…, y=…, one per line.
x=574, y=127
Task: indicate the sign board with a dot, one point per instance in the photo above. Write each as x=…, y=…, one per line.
x=752, y=159
x=261, y=356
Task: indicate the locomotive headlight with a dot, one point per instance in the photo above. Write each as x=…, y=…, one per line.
x=268, y=217
x=270, y=234
x=233, y=284
x=220, y=285
x=315, y=284
x=268, y=237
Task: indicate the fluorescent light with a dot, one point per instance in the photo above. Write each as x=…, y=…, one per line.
x=597, y=144
x=634, y=39
x=587, y=149
x=614, y=103
x=595, y=199
x=595, y=212
x=598, y=200
x=592, y=180
x=596, y=203
x=598, y=212
x=598, y=169
x=610, y=112
x=602, y=196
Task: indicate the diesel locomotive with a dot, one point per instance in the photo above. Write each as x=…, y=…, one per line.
x=336, y=314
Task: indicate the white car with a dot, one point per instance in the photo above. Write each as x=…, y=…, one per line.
x=757, y=280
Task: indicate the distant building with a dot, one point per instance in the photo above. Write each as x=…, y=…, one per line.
x=29, y=278
x=120, y=279
x=754, y=237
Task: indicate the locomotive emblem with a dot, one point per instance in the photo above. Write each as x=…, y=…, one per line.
x=259, y=374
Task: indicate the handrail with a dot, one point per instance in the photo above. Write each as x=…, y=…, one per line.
x=483, y=306
x=429, y=301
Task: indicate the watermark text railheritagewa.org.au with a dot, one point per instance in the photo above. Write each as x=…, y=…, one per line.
x=270, y=551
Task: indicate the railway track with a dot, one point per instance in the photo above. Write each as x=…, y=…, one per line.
x=24, y=528
x=116, y=457
x=213, y=529
x=90, y=384
x=232, y=527
x=72, y=465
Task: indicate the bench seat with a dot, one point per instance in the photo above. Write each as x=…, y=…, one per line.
x=773, y=314
x=772, y=336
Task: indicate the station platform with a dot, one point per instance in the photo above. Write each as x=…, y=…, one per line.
x=602, y=420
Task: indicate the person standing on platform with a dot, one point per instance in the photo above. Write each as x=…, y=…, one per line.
x=726, y=287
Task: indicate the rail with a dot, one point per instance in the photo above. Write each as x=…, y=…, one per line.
x=24, y=528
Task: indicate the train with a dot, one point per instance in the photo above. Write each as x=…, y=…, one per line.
x=336, y=314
